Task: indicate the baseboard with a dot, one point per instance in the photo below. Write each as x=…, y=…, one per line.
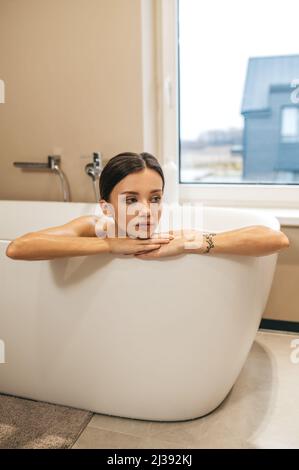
x=281, y=325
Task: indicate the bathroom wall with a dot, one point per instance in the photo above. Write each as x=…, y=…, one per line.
x=283, y=301
x=80, y=77
x=74, y=83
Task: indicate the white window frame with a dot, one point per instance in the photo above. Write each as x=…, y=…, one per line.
x=213, y=194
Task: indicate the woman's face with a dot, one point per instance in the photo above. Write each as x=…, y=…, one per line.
x=137, y=203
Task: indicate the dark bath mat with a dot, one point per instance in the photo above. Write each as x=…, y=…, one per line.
x=30, y=424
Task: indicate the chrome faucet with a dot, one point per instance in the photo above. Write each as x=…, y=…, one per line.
x=94, y=170
x=53, y=164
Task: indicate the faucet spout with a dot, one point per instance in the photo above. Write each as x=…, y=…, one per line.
x=93, y=170
x=53, y=164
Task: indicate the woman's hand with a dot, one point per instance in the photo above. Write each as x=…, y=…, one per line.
x=131, y=246
x=253, y=240
x=173, y=248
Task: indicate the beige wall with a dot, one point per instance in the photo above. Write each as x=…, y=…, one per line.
x=74, y=85
x=76, y=82
x=283, y=302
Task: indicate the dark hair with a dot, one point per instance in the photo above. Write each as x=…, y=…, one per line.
x=124, y=164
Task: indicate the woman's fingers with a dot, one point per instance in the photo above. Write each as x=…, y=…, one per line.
x=152, y=246
x=148, y=241
x=167, y=235
x=148, y=251
x=149, y=255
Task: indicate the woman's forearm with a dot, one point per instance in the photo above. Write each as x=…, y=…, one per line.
x=255, y=240
x=45, y=246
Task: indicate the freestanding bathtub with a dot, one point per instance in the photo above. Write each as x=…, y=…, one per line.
x=156, y=340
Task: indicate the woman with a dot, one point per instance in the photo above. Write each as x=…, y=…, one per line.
x=131, y=182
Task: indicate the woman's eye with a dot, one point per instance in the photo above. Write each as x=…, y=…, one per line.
x=131, y=200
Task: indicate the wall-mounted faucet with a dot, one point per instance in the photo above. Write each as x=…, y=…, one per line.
x=94, y=170
x=53, y=164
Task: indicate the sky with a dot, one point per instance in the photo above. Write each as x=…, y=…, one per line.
x=216, y=39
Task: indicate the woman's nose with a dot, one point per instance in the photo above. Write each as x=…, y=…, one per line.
x=145, y=208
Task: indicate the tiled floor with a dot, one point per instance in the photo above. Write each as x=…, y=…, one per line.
x=261, y=411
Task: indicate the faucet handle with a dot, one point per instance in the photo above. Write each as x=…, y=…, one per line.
x=53, y=160
x=97, y=159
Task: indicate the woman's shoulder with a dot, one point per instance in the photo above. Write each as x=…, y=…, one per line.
x=84, y=225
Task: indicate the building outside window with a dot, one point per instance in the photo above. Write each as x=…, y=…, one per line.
x=238, y=66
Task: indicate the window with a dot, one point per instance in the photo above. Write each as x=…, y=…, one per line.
x=205, y=51
x=290, y=124
x=236, y=91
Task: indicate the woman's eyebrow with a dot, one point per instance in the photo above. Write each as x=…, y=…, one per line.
x=134, y=192
x=129, y=192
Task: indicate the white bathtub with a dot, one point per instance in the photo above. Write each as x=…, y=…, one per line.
x=157, y=340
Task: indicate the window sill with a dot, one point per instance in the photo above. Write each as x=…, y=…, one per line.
x=278, y=200
x=286, y=217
